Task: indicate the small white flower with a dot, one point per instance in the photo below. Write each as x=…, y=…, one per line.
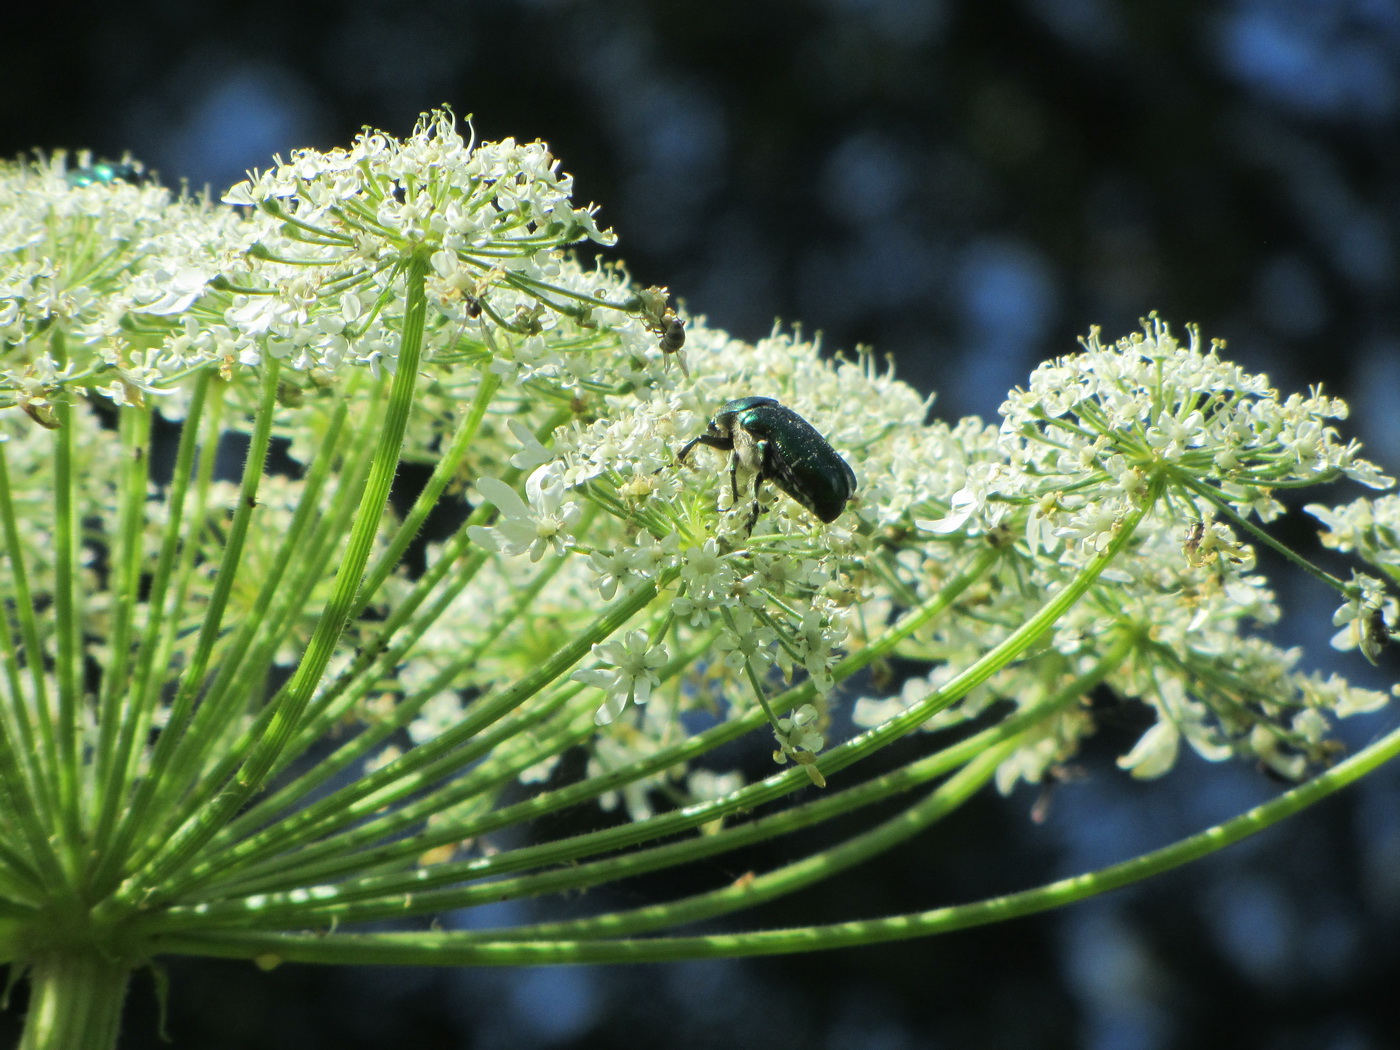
x=533, y=454
x=547, y=521
x=651, y=555
x=1171, y=436
x=1341, y=698
x=799, y=740
x=177, y=288
x=1154, y=753
x=1371, y=527
x=963, y=505
x=1095, y=523
x=705, y=566
x=745, y=641
x=799, y=731
x=632, y=674
x=612, y=569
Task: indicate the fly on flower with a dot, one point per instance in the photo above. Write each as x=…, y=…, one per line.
x=774, y=443
x=673, y=339
x=673, y=335
x=661, y=320
x=671, y=329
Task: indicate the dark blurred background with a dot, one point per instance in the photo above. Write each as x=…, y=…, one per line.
x=967, y=186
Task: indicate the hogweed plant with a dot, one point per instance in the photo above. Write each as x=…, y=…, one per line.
x=248, y=711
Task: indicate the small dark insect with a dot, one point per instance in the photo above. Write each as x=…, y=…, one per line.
x=672, y=331
x=105, y=172
x=673, y=335
x=775, y=444
x=1194, y=536
x=1377, y=633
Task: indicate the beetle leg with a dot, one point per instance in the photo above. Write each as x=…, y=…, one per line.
x=724, y=444
x=757, y=507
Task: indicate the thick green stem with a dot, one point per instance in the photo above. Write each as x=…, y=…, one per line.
x=446, y=469
x=75, y=1002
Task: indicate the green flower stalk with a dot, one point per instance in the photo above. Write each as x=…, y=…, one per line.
x=248, y=709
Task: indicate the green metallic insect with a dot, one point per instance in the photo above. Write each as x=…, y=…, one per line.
x=105, y=172
x=774, y=443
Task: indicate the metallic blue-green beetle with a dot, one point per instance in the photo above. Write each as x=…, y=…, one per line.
x=774, y=443
x=103, y=171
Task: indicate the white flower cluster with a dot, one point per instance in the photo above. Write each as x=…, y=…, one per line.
x=1370, y=529
x=87, y=274
x=1090, y=439
x=1048, y=490
x=1109, y=418
x=119, y=288
x=660, y=603
x=337, y=228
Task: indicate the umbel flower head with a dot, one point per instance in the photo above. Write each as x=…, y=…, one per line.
x=338, y=514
